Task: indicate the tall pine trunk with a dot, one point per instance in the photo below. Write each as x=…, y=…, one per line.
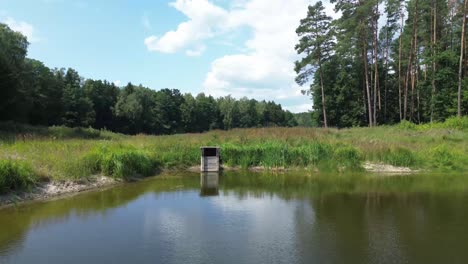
x=462, y=50
x=325, y=122
x=409, y=72
x=434, y=45
x=369, y=105
x=386, y=73
x=376, y=64
x=363, y=34
x=399, y=62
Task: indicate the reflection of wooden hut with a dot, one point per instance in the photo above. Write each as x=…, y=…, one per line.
x=209, y=183
x=209, y=159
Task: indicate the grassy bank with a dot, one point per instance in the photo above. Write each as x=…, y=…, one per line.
x=61, y=153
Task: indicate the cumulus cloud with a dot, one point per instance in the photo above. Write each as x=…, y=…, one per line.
x=264, y=66
x=265, y=71
x=204, y=20
x=23, y=27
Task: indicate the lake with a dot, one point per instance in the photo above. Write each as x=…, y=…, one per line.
x=245, y=217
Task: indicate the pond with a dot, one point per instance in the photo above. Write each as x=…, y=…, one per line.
x=244, y=217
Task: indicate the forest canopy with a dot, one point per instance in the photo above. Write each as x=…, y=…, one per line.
x=32, y=93
x=384, y=61
x=379, y=62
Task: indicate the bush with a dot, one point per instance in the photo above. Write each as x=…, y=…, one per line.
x=398, y=157
x=407, y=125
x=125, y=163
x=347, y=156
x=119, y=162
x=445, y=159
x=15, y=175
x=274, y=154
x=456, y=123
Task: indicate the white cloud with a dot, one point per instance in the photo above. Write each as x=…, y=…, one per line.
x=204, y=19
x=117, y=83
x=264, y=67
x=266, y=70
x=23, y=27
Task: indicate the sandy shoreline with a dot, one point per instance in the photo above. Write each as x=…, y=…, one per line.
x=54, y=189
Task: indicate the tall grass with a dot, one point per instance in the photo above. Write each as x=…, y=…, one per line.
x=118, y=161
x=72, y=153
x=398, y=156
x=15, y=174
x=277, y=154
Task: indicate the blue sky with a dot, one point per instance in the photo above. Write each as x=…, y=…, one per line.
x=220, y=47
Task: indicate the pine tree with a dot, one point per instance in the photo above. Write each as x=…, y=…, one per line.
x=315, y=43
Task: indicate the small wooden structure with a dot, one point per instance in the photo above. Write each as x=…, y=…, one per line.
x=209, y=159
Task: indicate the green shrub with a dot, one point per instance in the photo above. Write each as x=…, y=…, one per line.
x=443, y=158
x=15, y=175
x=398, y=157
x=119, y=162
x=407, y=125
x=275, y=154
x=347, y=156
x=125, y=163
x=456, y=122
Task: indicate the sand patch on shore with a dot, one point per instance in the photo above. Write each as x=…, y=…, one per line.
x=47, y=190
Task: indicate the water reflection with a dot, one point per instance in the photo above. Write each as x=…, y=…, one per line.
x=209, y=184
x=252, y=218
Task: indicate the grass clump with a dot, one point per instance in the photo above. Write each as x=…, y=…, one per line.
x=274, y=154
x=16, y=175
x=407, y=125
x=123, y=163
x=119, y=162
x=347, y=157
x=459, y=123
x=456, y=123
x=398, y=156
x=443, y=158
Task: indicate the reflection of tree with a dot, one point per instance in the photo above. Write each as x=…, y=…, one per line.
x=385, y=228
x=337, y=219
x=337, y=233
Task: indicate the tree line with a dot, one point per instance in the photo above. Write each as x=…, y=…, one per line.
x=410, y=65
x=30, y=92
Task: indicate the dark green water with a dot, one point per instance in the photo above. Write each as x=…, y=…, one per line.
x=247, y=218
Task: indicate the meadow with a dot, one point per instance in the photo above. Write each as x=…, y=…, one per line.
x=30, y=154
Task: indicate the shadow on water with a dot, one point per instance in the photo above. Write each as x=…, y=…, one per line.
x=335, y=219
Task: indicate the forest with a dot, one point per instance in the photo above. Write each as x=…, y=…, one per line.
x=32, y=93
x=384, y=61
x=380, y=62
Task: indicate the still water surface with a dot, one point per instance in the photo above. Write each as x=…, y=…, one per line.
x=247, y=218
